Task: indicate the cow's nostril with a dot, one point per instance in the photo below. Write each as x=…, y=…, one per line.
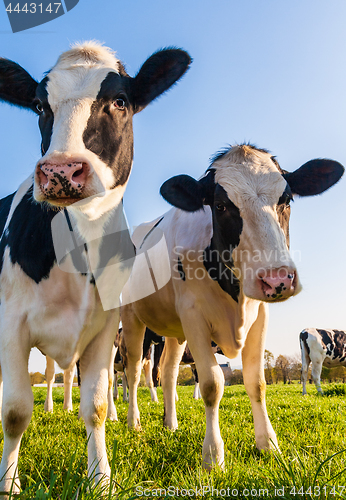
x=43, y=178
x=78, y=173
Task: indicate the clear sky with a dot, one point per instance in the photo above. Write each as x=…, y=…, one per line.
x=269, y=72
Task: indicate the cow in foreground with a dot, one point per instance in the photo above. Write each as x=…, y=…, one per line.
x=85, y=105
x=227, y=252
x=321, y=347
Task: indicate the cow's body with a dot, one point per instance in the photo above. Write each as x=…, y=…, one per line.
x=321, y=347
x=228, y=255
x=70, y=211
x=150, y=367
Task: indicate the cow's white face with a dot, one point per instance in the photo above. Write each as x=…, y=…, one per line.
x=74, y=165
x=249, y=197
x=85, y=106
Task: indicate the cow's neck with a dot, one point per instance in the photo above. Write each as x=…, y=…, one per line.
x=220, y=271
x=95, y=235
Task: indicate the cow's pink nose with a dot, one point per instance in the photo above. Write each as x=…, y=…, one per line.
x=62, y=180
x=277, y=284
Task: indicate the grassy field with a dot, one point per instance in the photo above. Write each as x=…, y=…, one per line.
x=311, y=432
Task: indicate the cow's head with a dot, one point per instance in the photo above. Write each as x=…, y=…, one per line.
x=249, y=196
x=85, y=106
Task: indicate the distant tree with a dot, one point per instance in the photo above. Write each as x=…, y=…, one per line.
x=59, y=378
x=295, y=367
x=37, y=378
x=185, y=376
x=268, y=366
x=282, y=367
x=236, y=377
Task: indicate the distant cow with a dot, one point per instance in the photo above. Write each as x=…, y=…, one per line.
x=85, y=106
x=187, y=359
x=321, y=347
x=68, y=383
x=150, y=341
x=227, y=252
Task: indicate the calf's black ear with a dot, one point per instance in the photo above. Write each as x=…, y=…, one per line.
x=314, y=177
x=184, y=192
x=16, y=85
x=157, y=75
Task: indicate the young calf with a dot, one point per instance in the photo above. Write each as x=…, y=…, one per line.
x=227, y=254
x=85, y=105
x=321, y=347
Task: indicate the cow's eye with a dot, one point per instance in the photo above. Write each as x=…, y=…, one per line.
x=39, y=107
x=120, y=103
x=285, y=199
x=220, y=207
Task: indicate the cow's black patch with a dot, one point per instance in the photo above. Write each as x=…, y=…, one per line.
x=46, y=116
x=339, y=341
x=5, y=206
x=150, y=338
x=195, y=373
x=304, y=337
x=220, y=273
x=227, y=228
x=327, y=340
x=181, y=270
x=29, y=238
x=108, y=132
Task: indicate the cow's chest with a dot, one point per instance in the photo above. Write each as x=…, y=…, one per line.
x=61, y=314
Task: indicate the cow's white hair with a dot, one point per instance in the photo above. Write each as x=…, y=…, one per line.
x=88, y=53
x=254, y=175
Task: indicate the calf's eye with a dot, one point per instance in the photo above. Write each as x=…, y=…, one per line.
x=285, y=199
x=39, y=107
x=120, y=103
x=220, y=207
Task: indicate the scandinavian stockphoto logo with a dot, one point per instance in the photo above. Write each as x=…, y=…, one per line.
x=110, y=258
x=24, y=15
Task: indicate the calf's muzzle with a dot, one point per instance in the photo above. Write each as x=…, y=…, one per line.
x=278, y=283
x=62, y=180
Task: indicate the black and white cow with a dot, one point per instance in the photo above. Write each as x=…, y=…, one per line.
x=227, y=257
x=85, y=105
x=149, y=365
x=321, y=347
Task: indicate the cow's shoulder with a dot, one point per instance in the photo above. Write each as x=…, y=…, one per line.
x=5, y=206
x=28, y=236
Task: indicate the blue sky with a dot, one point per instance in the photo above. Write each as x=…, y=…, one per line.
x=272, y=73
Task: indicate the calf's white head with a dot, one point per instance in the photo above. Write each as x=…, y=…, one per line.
x=249, y=196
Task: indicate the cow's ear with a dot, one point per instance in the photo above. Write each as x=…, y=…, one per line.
x=184, y=192
x=157, y=75
x=314, y=177
x=16, y=85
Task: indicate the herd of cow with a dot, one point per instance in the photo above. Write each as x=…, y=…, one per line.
x=203, y=272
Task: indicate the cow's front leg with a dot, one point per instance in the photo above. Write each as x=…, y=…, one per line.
x=170, y=360
x=68, y=384
x=112, y=411
x=18, y=400
x=148, y=371
x=254, y=380
x=50, y=372
x=211, y=383
x=94, y=365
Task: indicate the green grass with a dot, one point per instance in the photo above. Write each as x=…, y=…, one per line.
x=311, y=432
